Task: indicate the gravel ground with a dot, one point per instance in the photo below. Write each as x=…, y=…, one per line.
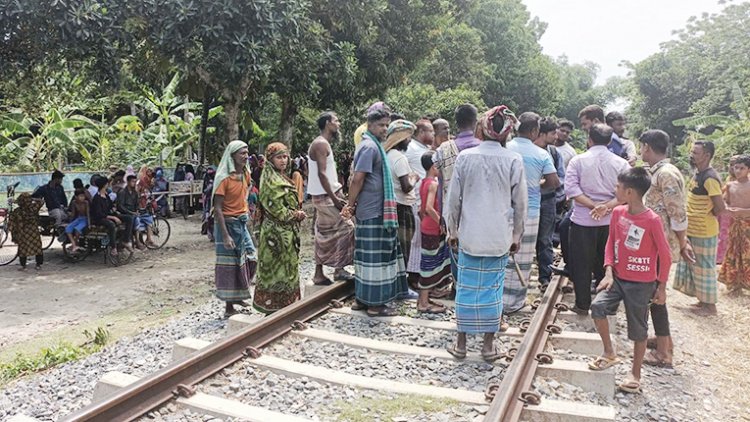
x=411, y=335
x=308, y=398
x=69, y=387
x=412, y=369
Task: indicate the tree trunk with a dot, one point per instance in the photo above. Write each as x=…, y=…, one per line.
x=232, y=113
x=286, y=127
x=204, y=126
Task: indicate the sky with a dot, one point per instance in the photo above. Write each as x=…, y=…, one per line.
x=612, y=31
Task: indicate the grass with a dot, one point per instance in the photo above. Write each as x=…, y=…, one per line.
x=49, y=357
x=366, y=409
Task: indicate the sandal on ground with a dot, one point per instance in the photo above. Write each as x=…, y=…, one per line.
x=602, y=362
x=358, y=306
x=324, y=282
x=458, y=354
x=653, y=359
x=343, y=276
x=382, y=312
x=432, y=308
x=630, y=386
x=150, y=244
x=493, y=355
x=228, y=314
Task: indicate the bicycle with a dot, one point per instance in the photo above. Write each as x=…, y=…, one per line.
x=95, y=239
x=160, y=230
x=8, y=248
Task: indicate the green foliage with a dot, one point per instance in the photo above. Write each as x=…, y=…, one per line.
x=695, y=74
x=419, y=100
x=730, y=134
x=50, y=357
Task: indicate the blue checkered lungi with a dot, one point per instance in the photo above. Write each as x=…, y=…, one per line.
x=379, y=269
x=479, y=292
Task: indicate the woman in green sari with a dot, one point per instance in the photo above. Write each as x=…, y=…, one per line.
x=277, y=282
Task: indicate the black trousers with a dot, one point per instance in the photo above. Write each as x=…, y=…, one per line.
x=660, y=318
x=586, y=252
x=564, y=229
x=24, y=259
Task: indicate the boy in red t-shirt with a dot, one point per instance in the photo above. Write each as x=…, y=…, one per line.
x=636, y=261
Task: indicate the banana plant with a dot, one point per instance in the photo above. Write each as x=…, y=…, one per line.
x=45, y=143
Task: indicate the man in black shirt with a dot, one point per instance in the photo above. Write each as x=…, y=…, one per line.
x=102, y=214
x=54, y=197
x=127, y=207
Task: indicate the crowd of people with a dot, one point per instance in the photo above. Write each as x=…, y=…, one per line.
x=429, y=215
x=120, y=204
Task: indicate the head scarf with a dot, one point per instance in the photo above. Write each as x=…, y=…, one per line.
x=226, y=165
x=398, y=131
x=509, y=122
x=278, y=193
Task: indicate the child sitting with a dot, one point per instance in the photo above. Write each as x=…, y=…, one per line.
x=735, y=271
x=636, y=261
x=79, y=215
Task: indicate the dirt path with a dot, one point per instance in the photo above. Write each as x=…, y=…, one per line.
x=66, y=298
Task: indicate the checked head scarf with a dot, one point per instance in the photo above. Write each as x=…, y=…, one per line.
x=508, y=118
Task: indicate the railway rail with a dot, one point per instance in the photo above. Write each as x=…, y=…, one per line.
x=125, y=398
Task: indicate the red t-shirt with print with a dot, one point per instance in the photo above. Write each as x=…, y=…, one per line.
x=637, y=248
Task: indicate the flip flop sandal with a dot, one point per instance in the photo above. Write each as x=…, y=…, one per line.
x=325, y=282
x=384, y=312
x=432, y=309
x=458, y=354
x=596, y=364
x=630, y=386
x=653, y=359
x=492, y=356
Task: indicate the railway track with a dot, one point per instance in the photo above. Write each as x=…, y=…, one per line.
x=543, y=344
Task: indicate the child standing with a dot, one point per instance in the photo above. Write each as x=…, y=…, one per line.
x=79, y=214
x=435, y=265
x=24, y=228
x=636, y=261
x=735, y=271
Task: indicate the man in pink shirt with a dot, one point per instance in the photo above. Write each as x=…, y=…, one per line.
x=637, y=259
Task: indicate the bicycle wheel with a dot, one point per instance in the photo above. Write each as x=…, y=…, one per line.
x=81, y=254
x=123, y=257
x=160, y=232
x=8, y=249
x=47, y=239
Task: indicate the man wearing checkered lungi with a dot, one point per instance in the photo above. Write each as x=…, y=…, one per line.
x=538, y=166
x=379, y=268
x=487, y=185
x=705, y=202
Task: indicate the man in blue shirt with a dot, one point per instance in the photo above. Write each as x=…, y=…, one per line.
x=54, y=197
x=540, y=173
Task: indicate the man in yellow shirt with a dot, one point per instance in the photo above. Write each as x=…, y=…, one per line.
x=705, y=202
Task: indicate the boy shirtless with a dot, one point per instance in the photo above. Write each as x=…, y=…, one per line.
x=735, y=271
